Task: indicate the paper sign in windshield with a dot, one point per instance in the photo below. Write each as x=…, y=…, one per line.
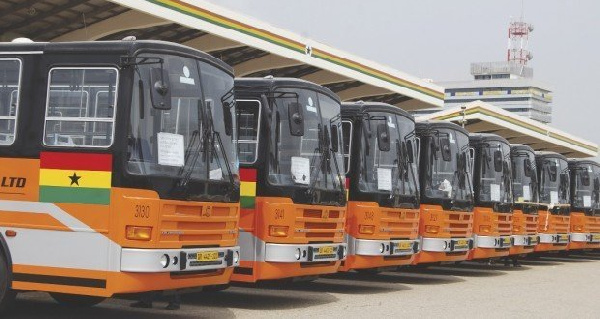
x=553, y=197
x=384, y=179
x=170, y=149
x=587, y=201
x=215, y=174
x=495, y=192
x=300, y=170
x=526, y=192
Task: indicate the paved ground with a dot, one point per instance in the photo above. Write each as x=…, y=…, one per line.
x=547, y=287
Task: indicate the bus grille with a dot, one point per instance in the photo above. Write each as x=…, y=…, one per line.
x=593, y=224
x=400, y=223
x=460, y=224
x=531, y=222
x=201, y=224
x=321, y=224
x=504, y=224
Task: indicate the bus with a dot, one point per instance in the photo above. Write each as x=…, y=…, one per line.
x=554, y=192
x=585, y=204
x=380, y=157
x=492, y=185
x=525, y=202
x=445, y=174
x=293, y=196
x=119, y=175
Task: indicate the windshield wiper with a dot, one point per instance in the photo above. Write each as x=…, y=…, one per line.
x=320, y=151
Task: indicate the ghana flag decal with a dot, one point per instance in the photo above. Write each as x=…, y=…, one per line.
x=83, y=178
x=247, y=187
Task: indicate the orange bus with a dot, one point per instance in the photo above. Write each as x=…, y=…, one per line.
x=380, y=156
x=116, y=178
x=446, y=216
x=554, y=193
x=293, y=197
x=525, y=199
x=585, y=204
x=492, y=179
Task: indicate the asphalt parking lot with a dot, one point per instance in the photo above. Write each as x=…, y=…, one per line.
x=548, y=287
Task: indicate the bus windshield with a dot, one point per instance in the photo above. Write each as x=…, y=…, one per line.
x=585, y=187
x=524, y=177
x=391, y=170
x=494, y=173
x=189, y=140
x=448, y=173
x=306, y=160
x=554, y=181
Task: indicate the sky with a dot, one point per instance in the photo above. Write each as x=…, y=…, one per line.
x=439, y=39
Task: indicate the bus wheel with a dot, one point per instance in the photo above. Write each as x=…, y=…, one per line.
x=7, y=295
x=81, y=301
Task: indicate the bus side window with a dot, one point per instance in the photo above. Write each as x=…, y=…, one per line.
x=347, y=130
x=248, y=120
x=80, y=107
x=10, y=81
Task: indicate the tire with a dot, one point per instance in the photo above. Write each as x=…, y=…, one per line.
x=79, y=301
x=7, y=295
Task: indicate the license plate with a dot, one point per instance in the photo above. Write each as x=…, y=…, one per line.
x=207, y=256
x=595, y=237
x=461, y=243
x=564, y=237
x=506, y=241
x=326, y=250
x=404, y=246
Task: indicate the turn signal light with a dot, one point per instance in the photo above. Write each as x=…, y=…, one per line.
x=485, y=228
x=138, y=233
x=432, y=229
x=366, y=229
x=578, y=227
x=516, y=228
x=278, y=231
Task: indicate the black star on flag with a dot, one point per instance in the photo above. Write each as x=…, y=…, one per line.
x=74, y=179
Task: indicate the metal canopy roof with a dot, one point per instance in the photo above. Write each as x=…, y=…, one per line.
x=483, y=117
x=252, y=47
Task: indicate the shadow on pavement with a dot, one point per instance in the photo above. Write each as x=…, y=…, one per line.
x=258, y=299
x=458, y=271
x=40, y=305
x=403, y=276
x=499, y=266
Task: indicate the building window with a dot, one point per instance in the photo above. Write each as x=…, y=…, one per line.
x=80, y=107
x=248, y=118
x=10, y=84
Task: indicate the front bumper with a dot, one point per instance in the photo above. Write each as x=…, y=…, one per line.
x=492, y=242
x=366, y=247
x=178, y=260
x=591, y=238
x=554, y=238
x=447, y=245
x=288, y=253
x=525, y=240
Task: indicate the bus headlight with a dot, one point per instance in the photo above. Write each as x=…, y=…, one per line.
x=236, y=257
x=485, y=228
x=432, y=229
x=138, y=232
x=298, y=254
x=164, y=260
x=382, y=248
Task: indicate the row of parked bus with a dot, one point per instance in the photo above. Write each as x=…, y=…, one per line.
x=133, y=166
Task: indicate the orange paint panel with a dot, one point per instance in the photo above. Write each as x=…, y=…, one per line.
x=96, y=217
x=31, y=221
x=19, y=179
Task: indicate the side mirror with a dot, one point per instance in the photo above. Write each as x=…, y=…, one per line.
x=445, y=147
x=383, y=137
x=410, y=151
x=498, y=161
x=227, y=118
x=553, y=172
x=585, y=178
x=296, y=119
x=527, y=169
x=335, y=138
x=160, y=94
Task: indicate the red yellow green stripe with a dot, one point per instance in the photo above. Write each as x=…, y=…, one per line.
x=265, y=35
x=247, y=188
x=83, y=178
